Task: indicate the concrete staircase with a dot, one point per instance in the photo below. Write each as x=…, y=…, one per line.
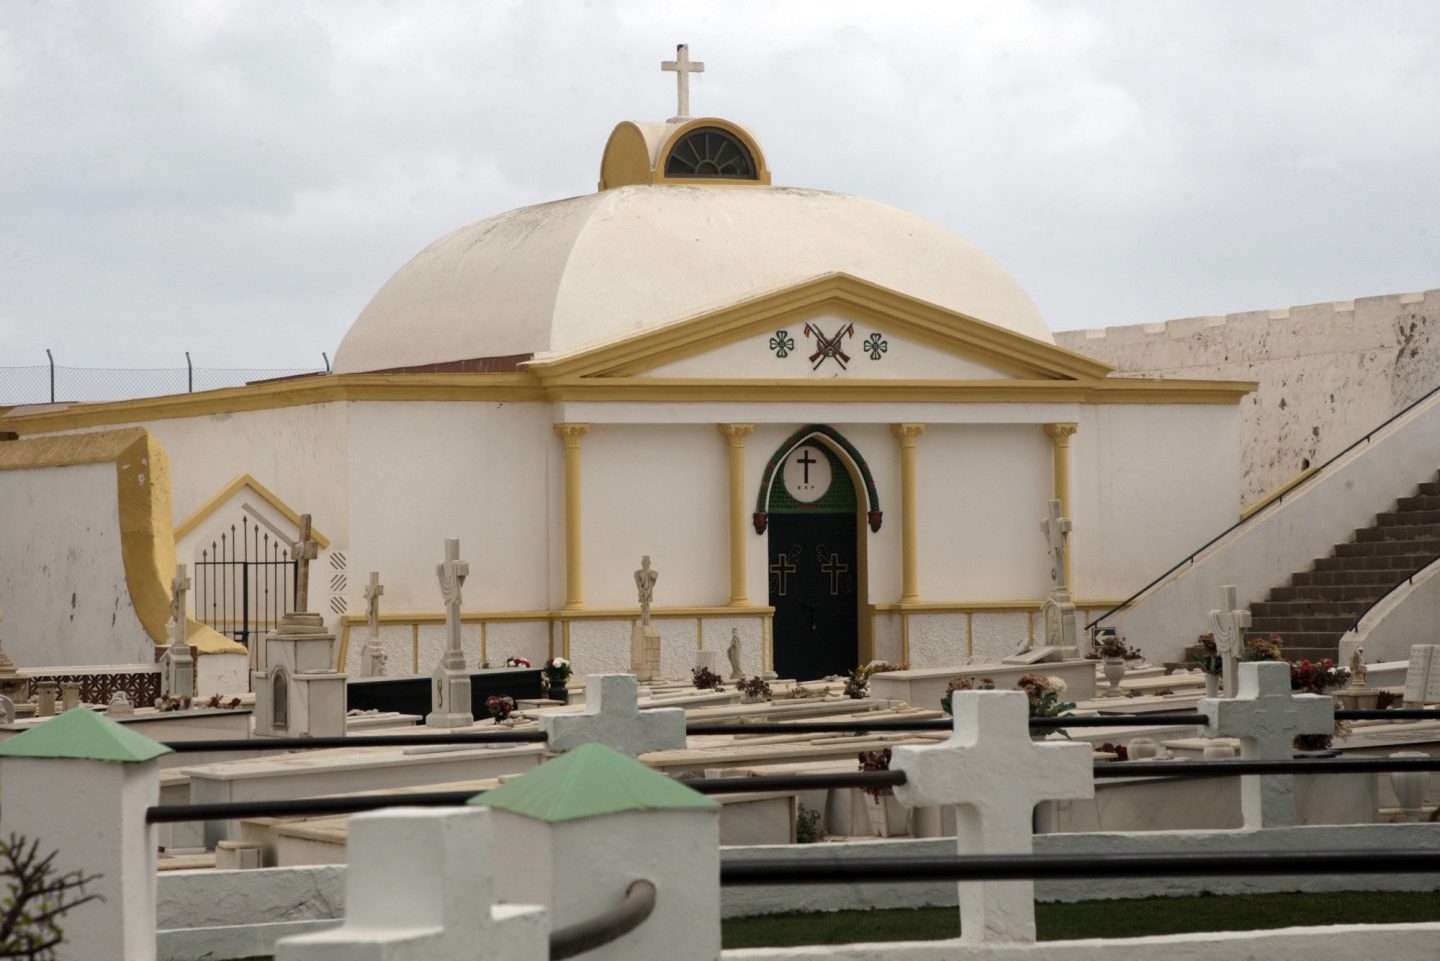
x=1318, y=606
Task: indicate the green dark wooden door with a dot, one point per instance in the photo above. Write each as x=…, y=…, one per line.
x=813, y=565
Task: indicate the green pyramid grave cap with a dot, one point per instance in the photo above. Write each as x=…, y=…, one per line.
x=81, y=734
x=587, y=782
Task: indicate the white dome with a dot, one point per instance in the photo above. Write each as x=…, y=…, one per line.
x=557, y=277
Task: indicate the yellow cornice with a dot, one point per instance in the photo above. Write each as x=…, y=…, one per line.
x=511, y=388
x=228, y=491
x=926, y=323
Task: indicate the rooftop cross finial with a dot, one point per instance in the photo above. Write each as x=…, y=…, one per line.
x=683, y=67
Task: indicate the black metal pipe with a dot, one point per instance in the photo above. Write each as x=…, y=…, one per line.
x=297, y=807
x=1395, y=714
x=363, y=740
x=632, y=911
x=795, y=782
x=1299, y=765
x=1008, y=867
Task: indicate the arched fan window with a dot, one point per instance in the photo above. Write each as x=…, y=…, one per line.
x=710, y=152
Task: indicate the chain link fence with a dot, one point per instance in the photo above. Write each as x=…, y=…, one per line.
x=51, y=383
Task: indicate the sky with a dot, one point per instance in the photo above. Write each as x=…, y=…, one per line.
x=237, y=179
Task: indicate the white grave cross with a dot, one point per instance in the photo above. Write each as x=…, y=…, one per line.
x=1055, y=527
x=306, y=549
x=682, y=66
x=996, y=774
x=179, y=587
x=1265, y=715
x=612, y=718
x=1229, y=627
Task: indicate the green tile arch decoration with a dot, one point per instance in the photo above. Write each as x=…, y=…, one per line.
x=839, y=441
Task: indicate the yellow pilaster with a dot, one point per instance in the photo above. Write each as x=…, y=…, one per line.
x=737, y=433
x=909, y=522
x=574, y=578
x=1060, y=435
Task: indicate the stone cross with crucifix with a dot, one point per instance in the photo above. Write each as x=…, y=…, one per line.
x=304, y=550
x=1266, y=716
x=682, y=66
x=372, y=659
x=177, y=678
x=450, y=695
x=996, y=774
x=613, y=718
x=1229, y=625
x=1055, y=527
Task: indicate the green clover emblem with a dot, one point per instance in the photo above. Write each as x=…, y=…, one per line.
x=782, y=343
x=876, y=346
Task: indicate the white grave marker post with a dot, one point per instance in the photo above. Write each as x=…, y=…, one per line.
x=421, y=883
x=372, y=659
x=450, y=696
x=612, y=718
x=178, y=677
x=1266, y=715
x=305, y=550
x=1229, y=626
x=1422, y=677
x=995, y=774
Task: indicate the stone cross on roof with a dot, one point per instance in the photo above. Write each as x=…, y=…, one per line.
x=992, y=767
x=1266, y=715
x=613, y=718
x=683, y=67
x=1229, y=625
x=305, y=550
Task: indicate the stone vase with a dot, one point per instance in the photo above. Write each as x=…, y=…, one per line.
x=560, y=692
x=1409, y=787
x=888, y=817
x=1114, y=668
x=1212, y=685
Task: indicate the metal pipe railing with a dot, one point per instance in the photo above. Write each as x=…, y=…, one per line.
x=632, y=911
x=359, y=740
x=1015, y=867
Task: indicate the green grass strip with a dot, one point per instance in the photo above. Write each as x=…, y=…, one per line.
x=1095, y=919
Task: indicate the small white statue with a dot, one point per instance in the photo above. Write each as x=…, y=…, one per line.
x=733, y=653
x=645, y=579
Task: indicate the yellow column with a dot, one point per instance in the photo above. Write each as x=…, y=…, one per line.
x=736, y=433
x=906, y=434
x=574, y=577
x=1060, y=435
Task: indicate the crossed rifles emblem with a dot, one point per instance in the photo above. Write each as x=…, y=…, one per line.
x=827, y=348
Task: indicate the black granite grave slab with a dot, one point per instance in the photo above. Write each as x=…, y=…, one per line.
x=410, y=694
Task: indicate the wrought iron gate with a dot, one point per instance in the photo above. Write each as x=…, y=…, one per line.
x=244, y=582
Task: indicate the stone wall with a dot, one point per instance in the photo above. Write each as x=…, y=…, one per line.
x=1328, y=373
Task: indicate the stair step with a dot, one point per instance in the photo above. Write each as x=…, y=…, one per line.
x=1353, y=595
x=1429, y=487
x=1307, y=607
x=1397, y=532
x=1323, y=578
x=1429, y=546
x=1297, y=641
x=1285, y=626
x=1398, y=518
x=1332, y=651
x=1421, y=502
x=1387, y=566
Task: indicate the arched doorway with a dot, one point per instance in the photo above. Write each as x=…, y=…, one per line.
x=813, y=509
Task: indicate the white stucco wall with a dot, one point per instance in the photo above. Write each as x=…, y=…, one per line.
x=419, y=473
x=62, y=576
x=1328, y=373
x=661, y=491
x=982, y=492
x=1409, y=615
x=1148, y=485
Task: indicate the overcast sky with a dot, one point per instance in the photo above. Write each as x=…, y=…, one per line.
x=238, y=178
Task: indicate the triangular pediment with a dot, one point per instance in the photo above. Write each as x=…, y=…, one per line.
x=832, y=326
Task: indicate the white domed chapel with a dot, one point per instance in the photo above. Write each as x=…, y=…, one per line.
x=832, y=425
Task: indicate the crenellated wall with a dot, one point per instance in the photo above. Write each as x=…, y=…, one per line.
x=1328, y=373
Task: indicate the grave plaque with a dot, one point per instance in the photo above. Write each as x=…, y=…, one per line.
x=1422, y=678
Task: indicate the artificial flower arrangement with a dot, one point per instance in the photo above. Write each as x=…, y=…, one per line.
x=705, y=679
x=1208, y=661
x=1108, y=646
x=1312, y=678
x=857, y=682
x=963, y=684
x=500, y=706
x=557, y=670
x=754, y=688
x=1264, y=649
x=516, y=662
x=876, y=761
x=1044, y=692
